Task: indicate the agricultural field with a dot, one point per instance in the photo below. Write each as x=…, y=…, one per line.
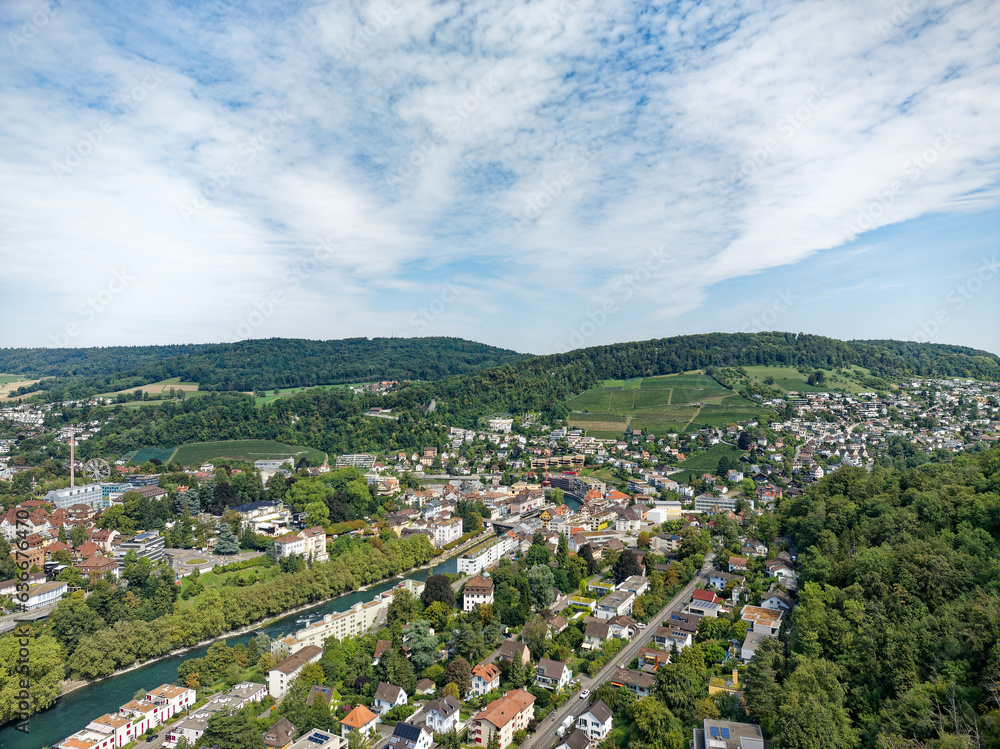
x=196, y=453
x=789, y=378
x=163, y=387
x=705, y=462
x=285, y=392
x=671, y=403
x=10, y=383
x=140, y=456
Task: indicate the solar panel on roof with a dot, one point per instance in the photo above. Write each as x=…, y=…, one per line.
x=725, y=732
x=713, y=731
x=317, y=739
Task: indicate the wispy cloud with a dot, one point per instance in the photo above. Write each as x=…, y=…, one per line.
x=423, y=138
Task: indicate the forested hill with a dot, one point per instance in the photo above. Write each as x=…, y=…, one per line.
x=259, y=364
x=896, y=639
x=541, y=383
x=467, y=379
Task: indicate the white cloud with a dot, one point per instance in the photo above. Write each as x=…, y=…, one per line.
x=537, y=149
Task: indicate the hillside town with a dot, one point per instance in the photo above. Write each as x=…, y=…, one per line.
x=584, y=569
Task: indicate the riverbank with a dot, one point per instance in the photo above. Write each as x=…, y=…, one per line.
x=72, y=685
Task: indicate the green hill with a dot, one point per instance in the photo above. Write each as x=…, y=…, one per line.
x=545, y=383
x=252, y=365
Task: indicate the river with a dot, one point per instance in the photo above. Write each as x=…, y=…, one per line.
x=76, y=709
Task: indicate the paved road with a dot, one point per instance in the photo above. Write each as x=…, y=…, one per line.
x=545, y=735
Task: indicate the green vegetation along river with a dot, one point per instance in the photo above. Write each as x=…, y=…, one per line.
x=76, y=709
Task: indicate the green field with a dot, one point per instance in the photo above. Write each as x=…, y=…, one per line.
x=705, y=462
x=140, y=456
x=6, y=378
x=215, y=580
x=196, y=453
x=285, y=392
x=789, y=378
x=162, y=387
x=671, y=403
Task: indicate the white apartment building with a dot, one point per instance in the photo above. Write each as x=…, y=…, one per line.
x=485, y=555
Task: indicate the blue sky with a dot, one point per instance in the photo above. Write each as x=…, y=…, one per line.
x=540, y=176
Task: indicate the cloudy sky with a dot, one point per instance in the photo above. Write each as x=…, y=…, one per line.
x=540, y=176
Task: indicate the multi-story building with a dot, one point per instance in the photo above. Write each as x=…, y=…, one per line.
x=485, y=678
x=442, y=715
x=708, y=503
x=351, y=623
x=45, y=593
x=486, y=555
x=446, y=531
x=193, y=726
x=388, y=696
x=106, y=732
x=267, y=518
x=290, y=544
x=408, y=736
x=148, y=545
x=595, y=721
x=171, y=699
x=364, y=461
x=360, y=719
x=478, y=591
x=273, y=465
x=315, y=544
x=89, y=494
x=142, y=710
x=552, y=675
x=280, y=677
x=504, y=717
x=724, y=734
x=615, y=604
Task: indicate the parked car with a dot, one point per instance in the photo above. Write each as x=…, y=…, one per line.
x=584, y=694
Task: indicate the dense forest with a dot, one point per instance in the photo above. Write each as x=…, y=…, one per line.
x=333, y=421
x=257, y=364
x=896, y=638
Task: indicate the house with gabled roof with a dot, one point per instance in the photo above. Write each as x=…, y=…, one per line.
x=576, y=739
x=485, y=679
x=279, y=736
x=777, y=601
x=596, y=634
x=388, y=696
x=705, y=603
x=442, y=715
x=408, y=736
x=504, y=716
x=510, y=648
x=552, y=675
x=595, y=721
x=638, y=683
x=360, y=719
